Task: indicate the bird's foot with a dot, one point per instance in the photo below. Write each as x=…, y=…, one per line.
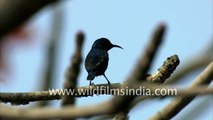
x=91, y=83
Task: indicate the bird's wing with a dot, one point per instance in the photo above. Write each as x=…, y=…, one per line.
x=96, y=61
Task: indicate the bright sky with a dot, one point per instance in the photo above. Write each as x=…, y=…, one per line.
x=126, y=23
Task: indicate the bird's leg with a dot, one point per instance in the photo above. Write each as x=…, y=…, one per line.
x=90, y=83
x=106, y=79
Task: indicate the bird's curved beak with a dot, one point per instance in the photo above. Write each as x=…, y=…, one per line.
x=117, y=46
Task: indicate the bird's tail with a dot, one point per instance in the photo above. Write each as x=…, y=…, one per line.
x=90, y=77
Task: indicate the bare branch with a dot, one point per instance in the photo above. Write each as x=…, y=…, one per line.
x=179, y=103
x=189, y=67
x=121, y=116
x=51, y=56
x=53, y=113
x=146, y=59
x=192, y=64
x=65, y=112
x=159, y=77
x=155, y=42
x=15, y=98
x=74, y=69
x=42, y=112
x=142, y=67
x=117, y=103
x=165, y=70
x=104, y=89
x=25, y=98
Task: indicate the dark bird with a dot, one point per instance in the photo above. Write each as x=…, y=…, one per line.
x=97, y=59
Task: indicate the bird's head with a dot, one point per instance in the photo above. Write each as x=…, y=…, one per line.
x=104, y=44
